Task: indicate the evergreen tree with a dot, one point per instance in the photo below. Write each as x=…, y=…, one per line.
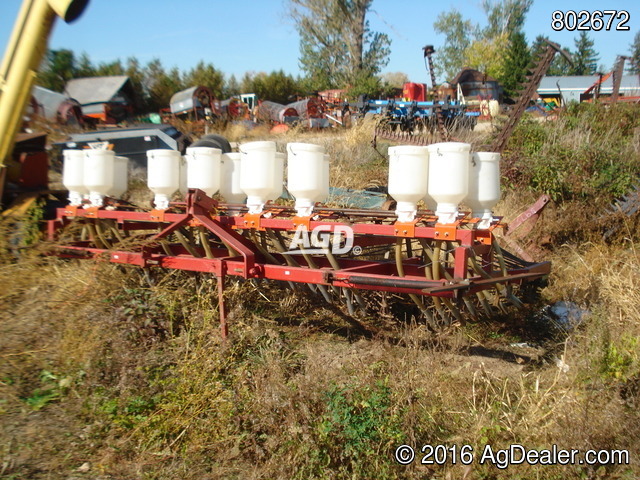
x=516, y=63
x=585, y=58
x=84, y=67
x=232, y=87
x=559, y=66
x=207, y=75
x=634, y=60
x=58, y=68
x=538, y=47
x=136, y=78
x=160, y=85
x=275, y=86
x=110, y=68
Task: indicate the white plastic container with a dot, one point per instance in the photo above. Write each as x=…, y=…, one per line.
x=448, y=177
x=203, y=169
x=120, y=177
x=430, y=203
x=408, y=177
x=99, y=168
x=230, y=178
x=305, y=177
x=73, y=175
x=484, y=186
x=257, y=173
x=163, y=175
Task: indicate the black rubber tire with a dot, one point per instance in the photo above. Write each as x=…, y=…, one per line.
x=214, y=141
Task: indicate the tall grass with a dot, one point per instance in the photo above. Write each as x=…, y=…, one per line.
x=127, y=371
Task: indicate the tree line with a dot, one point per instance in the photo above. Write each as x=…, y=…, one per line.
x=338, y=50
x=154, y=84
x=500, y=49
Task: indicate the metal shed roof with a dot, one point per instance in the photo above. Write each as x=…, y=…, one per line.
x=572, y=86
x=95, y=89
x=48, y=100
x=579, y=83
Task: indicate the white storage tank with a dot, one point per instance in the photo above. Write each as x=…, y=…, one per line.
x=203, y=169
x=99, y=169
x=73, y=175
x=430, y=203
x=448, y=177
x=305, y=178
x=257, y=173
x=120, y=177
x=230, y=178
x=163, y=175
x=408, y=177
x=484, y=186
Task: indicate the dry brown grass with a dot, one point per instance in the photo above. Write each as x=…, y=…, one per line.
x=101, y=364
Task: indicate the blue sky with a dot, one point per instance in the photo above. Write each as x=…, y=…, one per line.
x=255, y=35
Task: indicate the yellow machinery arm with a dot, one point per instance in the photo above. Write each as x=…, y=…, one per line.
x=25, y=51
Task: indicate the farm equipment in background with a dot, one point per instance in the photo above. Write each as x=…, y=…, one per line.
x=234, y=109
x=309, y=112
x=195, y=104
x=594, y=91
x=421, y=123
x=275, y=113
x=132, y=142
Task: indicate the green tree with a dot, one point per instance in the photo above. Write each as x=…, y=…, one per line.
x=585, y=58
x=538, y=47
x=275, y=86
x=110, y=68
x=394, y=79
x=207, y=75
x=58, y=68
x=136, y=76
x=467, y=44
x=559, y=66
x=516, y=63
x=337, y=47
x=487, y=55
x=232, y=87
x=457, y=32
x=160, y=85
x=634, y=60
x=504, y=17
x=84, y=67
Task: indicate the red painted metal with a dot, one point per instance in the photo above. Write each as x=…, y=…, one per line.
x=530, y=215
x=225, y=234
